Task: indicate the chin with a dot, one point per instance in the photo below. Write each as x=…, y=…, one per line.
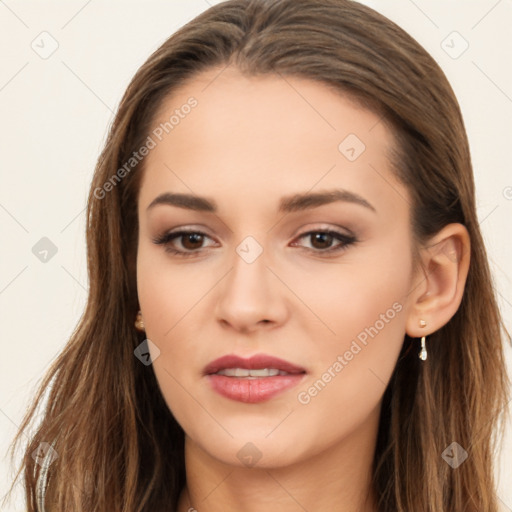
x=256, y=446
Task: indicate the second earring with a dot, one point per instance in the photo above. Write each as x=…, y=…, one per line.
x=139, y=322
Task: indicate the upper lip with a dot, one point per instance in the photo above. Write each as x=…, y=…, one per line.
x=257, y=361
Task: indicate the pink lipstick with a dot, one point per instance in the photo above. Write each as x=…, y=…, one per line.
x=252, y=380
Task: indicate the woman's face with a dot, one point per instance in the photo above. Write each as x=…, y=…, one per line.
x=321, y=282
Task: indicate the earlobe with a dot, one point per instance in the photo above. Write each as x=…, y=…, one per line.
x=439, y=289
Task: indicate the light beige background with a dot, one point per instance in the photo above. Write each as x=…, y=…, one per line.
x=54, y=117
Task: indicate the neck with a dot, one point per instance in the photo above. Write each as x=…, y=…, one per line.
x=338, y=478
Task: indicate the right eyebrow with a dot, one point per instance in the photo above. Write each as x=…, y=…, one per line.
x=188, y=201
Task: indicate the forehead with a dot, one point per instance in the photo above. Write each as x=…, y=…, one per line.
x=231, y=99
x=266, y=133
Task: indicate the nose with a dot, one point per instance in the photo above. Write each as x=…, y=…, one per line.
x=251, y=296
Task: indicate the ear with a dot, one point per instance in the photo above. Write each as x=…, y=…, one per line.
x=439, y=284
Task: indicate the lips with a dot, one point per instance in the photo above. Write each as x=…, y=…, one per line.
x=253, y=380
x=259, y=361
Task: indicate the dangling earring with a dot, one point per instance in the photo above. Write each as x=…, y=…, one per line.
x=139, y=322
x=423, y=351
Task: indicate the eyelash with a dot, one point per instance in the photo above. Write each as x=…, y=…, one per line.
x=166, y=238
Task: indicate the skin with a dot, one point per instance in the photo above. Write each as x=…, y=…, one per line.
x=248, y=143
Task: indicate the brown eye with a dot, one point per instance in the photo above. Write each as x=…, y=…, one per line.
x=321, y=240
x=192, y=240
x=183, y=243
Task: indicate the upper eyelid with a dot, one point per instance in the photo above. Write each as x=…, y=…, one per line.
x=191, y=229
x=182, y=231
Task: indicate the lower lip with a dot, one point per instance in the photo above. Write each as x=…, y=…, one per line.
x=253, y=391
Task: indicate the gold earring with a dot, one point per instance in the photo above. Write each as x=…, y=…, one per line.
x=423, y=351
x=139, y=322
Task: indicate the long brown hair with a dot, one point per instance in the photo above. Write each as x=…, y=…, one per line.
x=119, y=447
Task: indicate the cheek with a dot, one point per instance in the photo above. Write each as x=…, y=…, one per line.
x=166, y=297
x=167, y=292
x=365, y=312
x=174, y=300
x=354, y=297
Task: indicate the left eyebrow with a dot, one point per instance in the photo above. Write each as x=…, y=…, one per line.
x=293, y=203
x=299, y=202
